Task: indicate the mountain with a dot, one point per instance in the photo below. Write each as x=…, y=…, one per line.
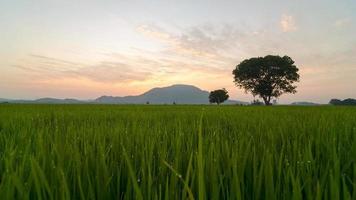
x=58, y=101
x=180, y=94
x=44, y=101
x=304, y=103
x=3, y=100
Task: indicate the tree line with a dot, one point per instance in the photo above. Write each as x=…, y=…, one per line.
x=345, y=102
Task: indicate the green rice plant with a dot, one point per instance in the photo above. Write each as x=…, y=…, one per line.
x=177, y=152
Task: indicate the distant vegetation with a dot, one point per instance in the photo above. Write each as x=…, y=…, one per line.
x=256, y=102
x=348, y=102
x=267, y=77
x=176, y=152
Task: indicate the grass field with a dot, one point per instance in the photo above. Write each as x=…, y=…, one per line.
x=177, y=152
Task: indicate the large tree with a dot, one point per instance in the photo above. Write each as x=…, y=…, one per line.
x=218, y=96
x=267, y=77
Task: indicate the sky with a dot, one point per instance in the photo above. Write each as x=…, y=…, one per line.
x=84, y=48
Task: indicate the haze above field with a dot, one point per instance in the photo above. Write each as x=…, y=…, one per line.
x=84, y=49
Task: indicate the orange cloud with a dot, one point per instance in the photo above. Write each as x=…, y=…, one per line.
x=287, y=23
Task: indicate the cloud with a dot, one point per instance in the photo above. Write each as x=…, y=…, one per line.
x=197, y=42
x=287, y=23
x=112, y=72
x=43, y=67
x=342, y=22
x=50, y=60
x=156, y=32
x=222, y=45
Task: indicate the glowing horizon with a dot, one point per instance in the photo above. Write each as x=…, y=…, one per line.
x=85, y=49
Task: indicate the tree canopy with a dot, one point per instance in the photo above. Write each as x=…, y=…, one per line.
x=218, y=96
x=348, y=102
x=267, y=77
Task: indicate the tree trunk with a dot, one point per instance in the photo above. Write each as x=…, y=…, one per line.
x=267, y=101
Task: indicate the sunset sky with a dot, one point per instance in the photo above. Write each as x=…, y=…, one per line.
x=85, y=48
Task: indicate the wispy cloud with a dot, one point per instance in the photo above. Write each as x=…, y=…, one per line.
x=342, y=22
x=156, y=32
x=288, y=23
x=199, y=42
x=44, y=67
x=113, y=72
x=55, y=61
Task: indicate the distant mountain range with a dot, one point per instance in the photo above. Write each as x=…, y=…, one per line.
x=304, y=103
x=179, y=94
x=44, y=101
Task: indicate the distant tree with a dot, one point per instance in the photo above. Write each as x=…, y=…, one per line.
x=346, y=102
x=174, y=103
x=267, y=77
x=335, y=102
x=147, y=102
x=349, y=102
x=275, y=102
x=256, y=102
x=218, y=96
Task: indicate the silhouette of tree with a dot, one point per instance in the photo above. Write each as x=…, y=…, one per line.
x=347, y=102
x=267, y=77
x=218, y=96
x=335, y=102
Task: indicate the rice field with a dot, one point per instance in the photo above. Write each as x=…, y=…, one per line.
x=177, y=152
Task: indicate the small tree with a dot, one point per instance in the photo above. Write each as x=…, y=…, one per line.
x=267, y=77
x=218, y=96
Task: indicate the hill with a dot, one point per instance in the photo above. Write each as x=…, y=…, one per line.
x=58, y=101
x=304, y=103
x=179, y=93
